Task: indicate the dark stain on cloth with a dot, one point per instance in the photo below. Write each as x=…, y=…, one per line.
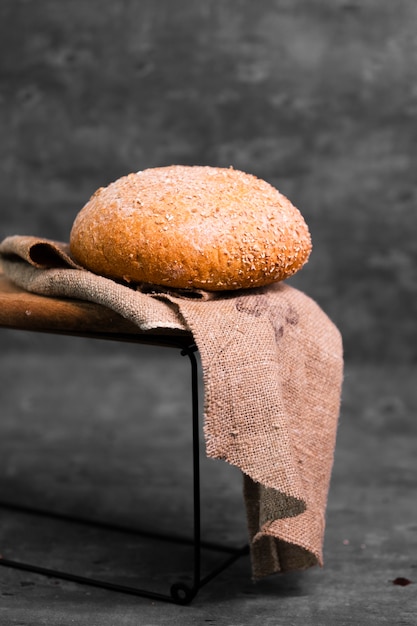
x=259, y=305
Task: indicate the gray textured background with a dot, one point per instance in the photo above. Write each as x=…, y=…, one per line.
x=317, y=97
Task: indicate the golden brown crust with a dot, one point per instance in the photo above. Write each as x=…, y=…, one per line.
x=191, y=227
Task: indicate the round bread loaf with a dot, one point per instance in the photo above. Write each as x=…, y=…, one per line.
x=191, y=227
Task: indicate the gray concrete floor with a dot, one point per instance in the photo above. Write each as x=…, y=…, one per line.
x=102, y=430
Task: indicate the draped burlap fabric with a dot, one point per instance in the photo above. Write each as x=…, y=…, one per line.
x=272, y=368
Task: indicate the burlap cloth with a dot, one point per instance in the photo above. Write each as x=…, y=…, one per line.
x=272, y=368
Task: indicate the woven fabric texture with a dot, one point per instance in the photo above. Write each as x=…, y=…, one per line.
x=272, y=366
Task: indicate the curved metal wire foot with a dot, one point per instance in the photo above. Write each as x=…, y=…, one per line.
x=182, y=593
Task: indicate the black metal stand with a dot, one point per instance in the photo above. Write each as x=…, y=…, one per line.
x=180, y=593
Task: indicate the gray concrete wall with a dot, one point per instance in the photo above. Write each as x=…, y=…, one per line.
x=319, y=97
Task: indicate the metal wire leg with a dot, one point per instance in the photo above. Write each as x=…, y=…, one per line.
x=180, y=592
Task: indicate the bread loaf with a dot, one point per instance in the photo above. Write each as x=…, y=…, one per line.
x=191, y=227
